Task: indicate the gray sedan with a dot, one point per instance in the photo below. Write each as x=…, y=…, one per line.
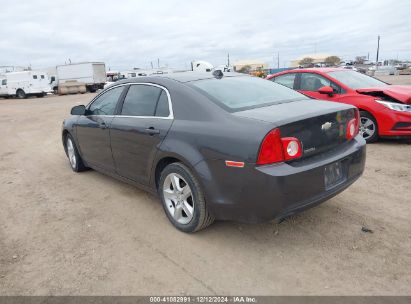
x=218, y=146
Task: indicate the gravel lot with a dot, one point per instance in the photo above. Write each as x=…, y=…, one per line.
x=63, y=233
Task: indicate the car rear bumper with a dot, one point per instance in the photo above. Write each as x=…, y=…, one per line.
x=261, y=193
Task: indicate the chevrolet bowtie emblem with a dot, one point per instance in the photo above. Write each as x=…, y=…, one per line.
x=326, y=126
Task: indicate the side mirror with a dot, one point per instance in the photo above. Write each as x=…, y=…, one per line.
x=78, y=110
x=326, y=90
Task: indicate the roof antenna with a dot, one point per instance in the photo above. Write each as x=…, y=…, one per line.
x=218, y=74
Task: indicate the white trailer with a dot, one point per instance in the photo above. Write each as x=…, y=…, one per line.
x=25, y=83
x=128, y=74
x=201, y=66
x=204, y=66
x=90, y=74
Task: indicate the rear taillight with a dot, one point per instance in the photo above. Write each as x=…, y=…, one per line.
x=353, y=126
x=275, y=149
x=271, y=150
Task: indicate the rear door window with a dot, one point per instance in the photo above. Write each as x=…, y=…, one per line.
x=141, y=100
x=162, y=109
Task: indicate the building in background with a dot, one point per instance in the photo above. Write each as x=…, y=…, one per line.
x=247, y=66
x=318, y=59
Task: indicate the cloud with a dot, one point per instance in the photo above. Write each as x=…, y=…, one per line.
x=127, y=34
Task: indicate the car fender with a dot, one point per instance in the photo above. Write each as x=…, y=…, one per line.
x=69, y=127
x=180, y=150
x=364, y=103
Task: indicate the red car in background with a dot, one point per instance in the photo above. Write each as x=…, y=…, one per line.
x=385, y=109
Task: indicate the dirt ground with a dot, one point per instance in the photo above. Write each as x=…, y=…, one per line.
x=63, y=233
x=397, y=79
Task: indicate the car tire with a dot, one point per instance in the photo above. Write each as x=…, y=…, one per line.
x=75, y=160
x=185, y=207
x=20, y=94
x=368, y=127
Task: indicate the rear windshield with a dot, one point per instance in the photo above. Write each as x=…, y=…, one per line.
x=242, y=93
x=355, y=80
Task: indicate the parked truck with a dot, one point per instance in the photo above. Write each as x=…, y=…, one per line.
x=78, y=77
x=23, y=84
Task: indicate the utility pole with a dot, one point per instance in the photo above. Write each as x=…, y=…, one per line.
x=158, y=62
x=228, y=59
x=378, y=52
x=152, y=67
x=278, y=60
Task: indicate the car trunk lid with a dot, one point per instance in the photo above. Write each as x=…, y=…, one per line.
x=319, y=125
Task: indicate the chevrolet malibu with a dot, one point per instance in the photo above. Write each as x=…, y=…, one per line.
x=218, y=146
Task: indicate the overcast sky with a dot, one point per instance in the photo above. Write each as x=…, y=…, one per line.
x=127, y=34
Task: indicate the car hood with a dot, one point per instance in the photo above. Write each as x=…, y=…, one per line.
x=400, y=93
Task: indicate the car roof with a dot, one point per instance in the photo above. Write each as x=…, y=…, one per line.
x=314, y=70
x=180, y=76
x=321, y=70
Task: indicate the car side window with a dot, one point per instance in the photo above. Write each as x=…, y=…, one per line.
x=162, y=109
x=4, y=82
x=106, y=103
x=312, y=82
x=286, y=80
x=34, y=76
x=141, y=100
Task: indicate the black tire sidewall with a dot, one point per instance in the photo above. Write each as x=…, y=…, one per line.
x=198, y=199
x=374, y=137
x=22, y=95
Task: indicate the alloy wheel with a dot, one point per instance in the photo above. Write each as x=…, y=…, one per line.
x=71, y=153
x=178, y=198
x=367, y=127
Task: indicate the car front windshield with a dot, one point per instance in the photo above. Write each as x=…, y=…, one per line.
x=243, y=92
x=355, y=80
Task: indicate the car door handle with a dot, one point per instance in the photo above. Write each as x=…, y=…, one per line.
x=152, y=131
x=102, y=125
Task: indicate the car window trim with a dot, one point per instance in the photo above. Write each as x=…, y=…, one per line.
x=119, y=105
